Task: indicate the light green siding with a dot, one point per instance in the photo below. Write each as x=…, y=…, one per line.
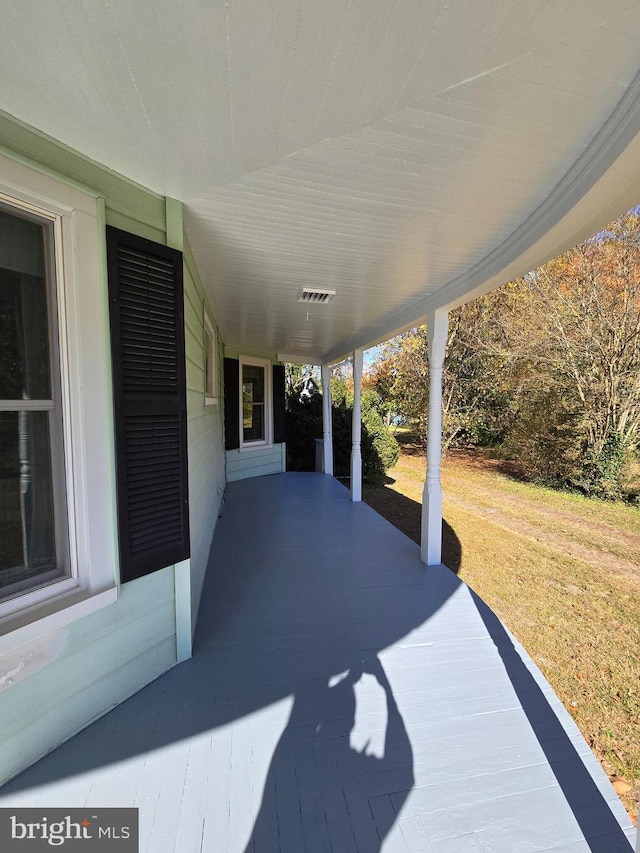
x=124, y=198
x=242, y=464
x=205, y=429
x=236, y=352
x=52, y=687
x=74, y=675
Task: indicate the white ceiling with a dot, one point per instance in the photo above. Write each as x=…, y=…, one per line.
x=405, y=153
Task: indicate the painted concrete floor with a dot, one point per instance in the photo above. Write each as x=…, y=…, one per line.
x=342, y=697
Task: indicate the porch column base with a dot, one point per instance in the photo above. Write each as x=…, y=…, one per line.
x=431, y=525
x=356, y=475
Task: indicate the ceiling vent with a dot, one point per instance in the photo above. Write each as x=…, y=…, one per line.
x=316, y=295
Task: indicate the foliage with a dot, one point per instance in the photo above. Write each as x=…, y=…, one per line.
x=384, y=451
x=303, y=402
x=475, y=406
x=379, y=448
x=304, y=424
x=546, y=368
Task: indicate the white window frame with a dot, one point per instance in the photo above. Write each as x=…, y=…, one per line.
x=267, y=441
x=88, y=477
x=210, y=362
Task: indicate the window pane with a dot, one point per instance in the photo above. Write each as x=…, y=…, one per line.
x=253, y=383
x=27, y=544
x=24, y=347
x=253, y=402
x=253, y=422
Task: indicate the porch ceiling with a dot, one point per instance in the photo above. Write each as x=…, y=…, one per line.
x=405, y=154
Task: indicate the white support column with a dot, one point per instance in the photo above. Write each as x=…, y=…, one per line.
x=356, y=428
x=327, y=428
x=431, y=538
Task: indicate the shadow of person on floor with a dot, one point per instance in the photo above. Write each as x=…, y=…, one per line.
x=303, y=770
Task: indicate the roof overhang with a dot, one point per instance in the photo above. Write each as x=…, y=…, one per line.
x=407, y=156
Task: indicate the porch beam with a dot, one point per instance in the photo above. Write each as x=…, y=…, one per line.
x=327, y=427
x=356, y=428
x=431, y=532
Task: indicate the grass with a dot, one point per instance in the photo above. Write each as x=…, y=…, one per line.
x=562, y=572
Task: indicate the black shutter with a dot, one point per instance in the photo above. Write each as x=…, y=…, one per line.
x=279, y=428
x=147, y=344
x=231, y=403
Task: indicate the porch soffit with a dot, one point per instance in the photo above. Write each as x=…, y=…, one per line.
x=405, y=154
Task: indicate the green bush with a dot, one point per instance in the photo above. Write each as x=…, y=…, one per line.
x=542, y=440
x=379, y=448
x=602, y=473
x=303, y=424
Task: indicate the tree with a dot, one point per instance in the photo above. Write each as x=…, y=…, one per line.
x=303, y=412
x=304, y=424
x=547, y=367
x=584, y=343
x=474, y=401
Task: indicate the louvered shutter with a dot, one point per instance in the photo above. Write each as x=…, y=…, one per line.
x=279, y=427
x=147, y=344
x=231, y=403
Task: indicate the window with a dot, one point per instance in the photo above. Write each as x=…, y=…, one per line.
x=254, y=407
x=210, y=367
x=33, y=548
x=255, y=402
x=57, y=495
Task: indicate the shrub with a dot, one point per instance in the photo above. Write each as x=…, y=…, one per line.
x=303, y=424
x=543, y=440
x=379, y=448
x=602, y=473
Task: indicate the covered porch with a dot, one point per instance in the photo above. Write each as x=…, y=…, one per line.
x=342, y=697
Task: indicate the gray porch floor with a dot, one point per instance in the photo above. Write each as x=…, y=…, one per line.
x=342, y=697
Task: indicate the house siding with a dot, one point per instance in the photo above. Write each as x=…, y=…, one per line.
x=54, y=686
x=205, y=431
x=242, y=464
x=73, y=676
